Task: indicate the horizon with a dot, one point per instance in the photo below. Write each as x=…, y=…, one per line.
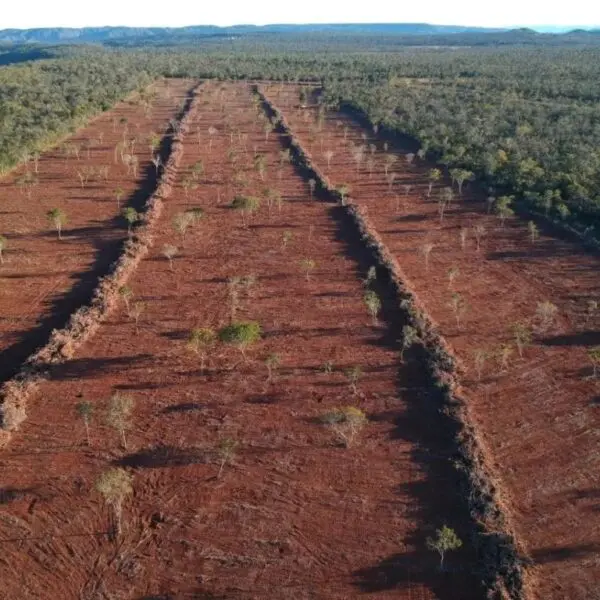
x=39, y=14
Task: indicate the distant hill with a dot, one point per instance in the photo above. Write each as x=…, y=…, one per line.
x=62, y=35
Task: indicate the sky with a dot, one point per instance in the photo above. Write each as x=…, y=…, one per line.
x=173, y=13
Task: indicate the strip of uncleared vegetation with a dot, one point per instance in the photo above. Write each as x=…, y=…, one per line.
x=502, y=565
x=63, y=343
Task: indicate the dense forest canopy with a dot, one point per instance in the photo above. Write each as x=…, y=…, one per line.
x=525, y=119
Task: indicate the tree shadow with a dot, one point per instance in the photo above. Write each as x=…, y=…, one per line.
x=164, y=456
x=85, y=367
x=581, y=338
x=561, y=553
x=184, y=407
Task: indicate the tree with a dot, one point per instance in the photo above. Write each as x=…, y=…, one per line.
x=503, y=209
x=347, y=422
x=241, y=334
x=594, y=356
x=373, y=304
x=353, y=374
x=329, y=154
x=226, y=450
x=460, y=176
x=445, y=540
x=522, y=336
x=115, y=485
x=119, y=193
x=3, y=245
x=545, y=315
x=272, y=362
x=434, y=176
x=170, y=252
x=343, y=190
x=200, y=341
x=247, y=205
x=118, y=415
x=308, y=266
x=459, y=307
x=131, y=217
x=409, y=336
x=58, y=218
x=182, y=222
x=85, y=410
x=444, y=200
x=426, y=250
x=126, y=294
x=479, y=232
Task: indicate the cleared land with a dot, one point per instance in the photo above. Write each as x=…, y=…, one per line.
x=537, y=414
x=43, y=279
x=293, y=514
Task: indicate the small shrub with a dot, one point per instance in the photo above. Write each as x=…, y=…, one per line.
x=347, y=422
x=286, y=236
x=182, y=222
x=247, y=205
x=409, y=336
x=353, y=375
x=522, y=336
x=308, y=265
x=327, y=367
x=131, y=217
x=85, y=410
x=126, y=293
x=594, y=356
x=272, y=362
x=545, y=315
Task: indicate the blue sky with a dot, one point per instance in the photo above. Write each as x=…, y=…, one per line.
x=79, y=13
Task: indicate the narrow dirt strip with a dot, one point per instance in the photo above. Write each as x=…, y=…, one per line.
x=63, y=343
x=492, y=533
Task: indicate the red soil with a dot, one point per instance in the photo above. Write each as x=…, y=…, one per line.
x=43, y=279
x=539, y=417
x=295, y=515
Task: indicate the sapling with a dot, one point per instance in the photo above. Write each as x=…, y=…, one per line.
x=453, y=273
x=504, y=355
x=119, y=193
x=434, y=176
x=226, y=450
x=444, y=541
x=170, y=252
x=533, y=231
x=308, y=265
x=371, y=276
x=58, y=218
x=286, y=236
x=503, y=209
x=200, y=342
x=373, y=304
x=389, y=161
x=135, y=313
x=312, y=184
x=462, y=235
x=3, y=245
x=522, y=337
x=329, y=154
x=343, y=190
x=85, y=410
x=118, y=415
x=115, y=485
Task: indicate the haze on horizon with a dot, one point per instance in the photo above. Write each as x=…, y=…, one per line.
x=511, y=13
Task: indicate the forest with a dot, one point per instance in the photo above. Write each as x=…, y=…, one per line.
x=524, y=121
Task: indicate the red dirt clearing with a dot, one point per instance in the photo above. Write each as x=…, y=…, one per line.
x=538, y=415
x=295, y=515
x=43, y=280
